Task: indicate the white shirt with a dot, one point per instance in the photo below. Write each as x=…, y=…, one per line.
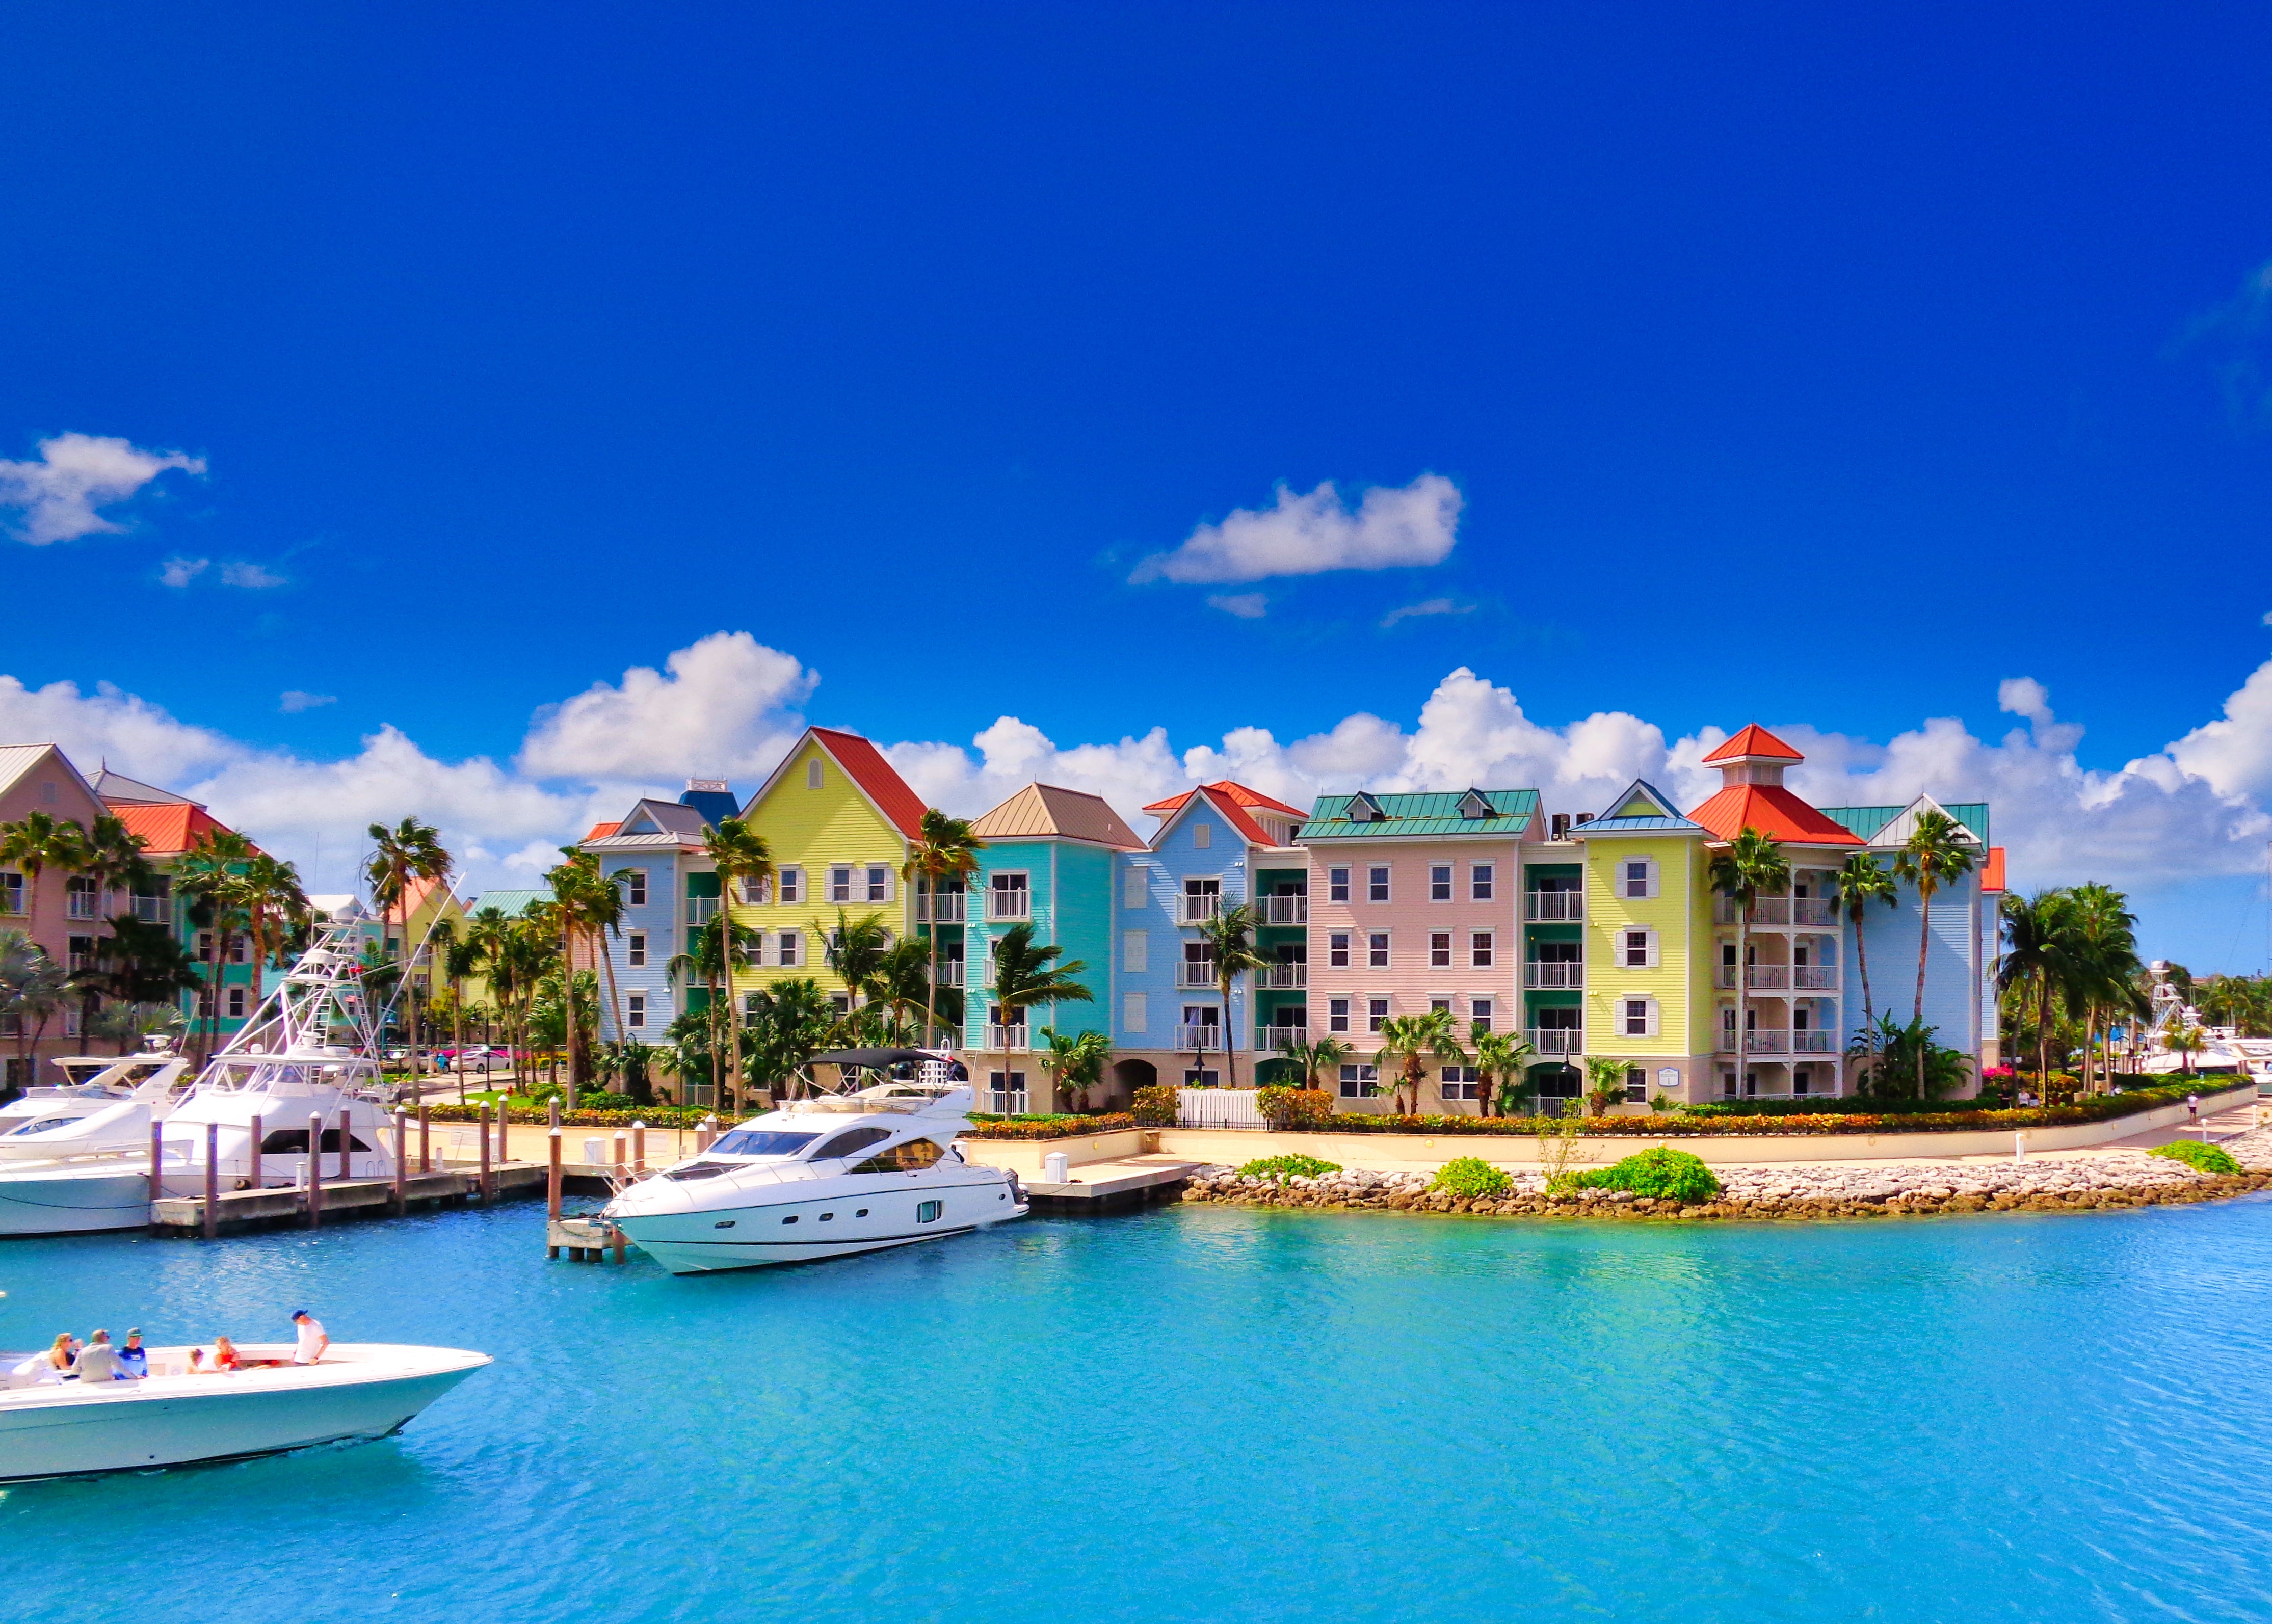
x=311, y=1341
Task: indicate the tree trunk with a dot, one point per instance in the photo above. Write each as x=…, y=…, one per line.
x=930, y=990
x=1924, y=941
x=1230, y=1036
x=1742, y=996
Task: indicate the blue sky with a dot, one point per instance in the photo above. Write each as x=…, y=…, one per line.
x=1814, y=369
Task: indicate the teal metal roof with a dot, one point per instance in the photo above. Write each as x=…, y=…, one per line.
x=1867, y=821
x=511, y=902
x=1435, y=812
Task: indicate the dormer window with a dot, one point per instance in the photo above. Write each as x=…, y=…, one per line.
x=1473, y=804
x=1363, y=808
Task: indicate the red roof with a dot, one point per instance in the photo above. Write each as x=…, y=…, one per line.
x=1754, y=741
x=1772, y=810
x=1991, y=872
x=1232, y=794
x=168, y=829
x=871, y=772
x=600, y=831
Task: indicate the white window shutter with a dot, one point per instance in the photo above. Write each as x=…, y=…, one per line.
x=1135, y=886
x=1135, y=951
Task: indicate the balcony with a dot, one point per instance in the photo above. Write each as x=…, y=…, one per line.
x=1007, y=1102
x=950, y=973
x=1202, y=1035
x=1770, y=1042
x=1279, y=977
x=1551, y=974
x=82, y=905
x=1272, y=1038
x=1283, y=911
x=1192, y=974
x=944, y=909
x=1009, y=906
x=1817, y=978
x=702, y=910
x=1812, y=911
x=1557, y=1039
x=1200, y=906
x=1007, y=1040
x=1554, y=908
x=1813, y=1042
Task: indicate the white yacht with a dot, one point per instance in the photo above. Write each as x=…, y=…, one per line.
x=109, y=1105
x=824, y=1177
x=309, y=1051
x=171, y=1418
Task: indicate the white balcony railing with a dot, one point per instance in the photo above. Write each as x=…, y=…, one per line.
x=1768, y=977
x=1557, y=1039
x=1811, y=1042
x=1771, y=911
x=1010, y=905
x=82, y=905
x=1007, y=1040
x=1284, y=910
x=1814, y=911
x=1817, y=977
x=1200, y=906
x=1275, y=1038
x=1280, y=977
x=702, y=910
x=950, y=973
x=1552, y=907
x=1200, y=1035
x=1191, y=975
x=1553, y=973
x=945, y=908
x=1772, y=1042
x=1006, y=1102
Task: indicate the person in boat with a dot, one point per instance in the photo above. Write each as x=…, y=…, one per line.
x=60, y=1355
x=134, y=1356
x=312, y=1341
x=225, y=1355
x=98, y=1360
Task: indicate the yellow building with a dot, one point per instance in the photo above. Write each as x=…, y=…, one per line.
x=1648, y=927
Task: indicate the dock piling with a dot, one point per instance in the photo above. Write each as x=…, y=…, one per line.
x=485, y=1154
x=347, y=1138
x=552, y=1190
x=315, y=1170
x=639, y=1147
x=622, y=1163
x=157, y=1160
x=425, y=1140
x=257, y=1148
x=213, y=1179
x=401, y=1157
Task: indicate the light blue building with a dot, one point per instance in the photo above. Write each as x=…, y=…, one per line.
x=654, y=855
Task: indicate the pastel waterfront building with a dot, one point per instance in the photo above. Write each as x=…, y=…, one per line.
x=669, y=890
x=1049, y=860
x=1412, y=908
x=1217, y=846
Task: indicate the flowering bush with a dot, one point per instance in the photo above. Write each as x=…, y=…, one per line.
x=1287, y=1167
x=1470, y=1178
x=1048, y=1127
x=1660, y=1173
x=1294, y=1108
x=653, y=1116
x=2198, y=1157
x=1156, y=1108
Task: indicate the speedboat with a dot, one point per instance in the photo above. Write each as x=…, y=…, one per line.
x=307, y=1052
x=98, y=1085
x=172, y=1418
x=824, y=1177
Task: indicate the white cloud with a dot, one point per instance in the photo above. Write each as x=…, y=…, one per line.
x=1245, y=606
x=74, y=474
x=181, y=571
x=727, y=707
x=1432, y=606
x=1392, y=527
x=293, y=700
x=250, y=576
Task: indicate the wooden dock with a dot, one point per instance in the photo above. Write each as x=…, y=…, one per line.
x=1111, y=1186
x=284, y=1206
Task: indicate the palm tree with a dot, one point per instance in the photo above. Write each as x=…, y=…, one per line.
x=2103, y=953
x=130, y=1025
x=719, y=947
x=2035, y=963
x=410, y=851
x=275, y=903
x=902, y=984
x=1937, y=853
x=461, y=951
x=31, y=989
x=1024, y=977
x=1752, y=863
x=855, y=949
x=1076, y=1063
x=1411, y=1039
x=1230, y=938
x=212, y=875
x=2184, y=1041
x=1605, y=1084
x=1315, y=1055
x=34, y=843
x=136, y=963
x=1860, y=881
x=790, y=1022
x=1498, y=1055
x=737, y=852
x=944, y=850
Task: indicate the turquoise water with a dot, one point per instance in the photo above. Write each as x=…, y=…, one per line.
x=1208, y=1414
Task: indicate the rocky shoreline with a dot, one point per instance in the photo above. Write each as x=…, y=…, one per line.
x=2115, y=1179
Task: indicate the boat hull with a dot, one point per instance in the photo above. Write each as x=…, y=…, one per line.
x=61, y=1431
x=843, y=1224
x=74, y=1199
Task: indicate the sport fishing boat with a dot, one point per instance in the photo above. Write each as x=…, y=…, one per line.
x=824, y=1177
x=173, y=1418
x=309, y=1050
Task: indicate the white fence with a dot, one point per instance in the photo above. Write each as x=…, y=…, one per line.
x=1217, y=1107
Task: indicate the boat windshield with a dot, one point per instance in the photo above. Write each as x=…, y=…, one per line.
x=760, y=1141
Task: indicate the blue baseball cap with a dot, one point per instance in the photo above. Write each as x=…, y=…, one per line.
x=301, y=1314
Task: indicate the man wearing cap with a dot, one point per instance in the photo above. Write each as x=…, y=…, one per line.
x=98, y=1360
x=134, y=1359
x=312, y=1340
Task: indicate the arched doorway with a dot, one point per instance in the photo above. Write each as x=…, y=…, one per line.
x=1558, y=1088
x=1128, y=1075
x=1277, y=1072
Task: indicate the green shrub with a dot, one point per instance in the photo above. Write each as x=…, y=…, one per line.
x=1056, y=1126
x=598, y=1099
x=2198, y=1157
x=1470, y=1178
x=1156, y=1108
x=1660, y=1174
x=1286, y=1108
x=1287, y=1167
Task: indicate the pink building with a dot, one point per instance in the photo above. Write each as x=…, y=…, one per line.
x=59, y=910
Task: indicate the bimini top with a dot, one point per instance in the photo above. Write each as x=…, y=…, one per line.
x=872, y=1060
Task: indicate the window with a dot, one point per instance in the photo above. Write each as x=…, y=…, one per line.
x=236, y=1000
x=1202, y=836
x=634, y=886
x=1439, y=881
x=1008, y=897
x=1135, y=886
x=635, y=950
x=1337, y=1015
x=1479, y=948
x=11, y=893
x=1637, y=949
x=238, y=946
x=1376, y=1011
x=840, y=883
x=1461, y=1082
x=1636, y=1085
x=1134, y=1016
x=1337, y=948
x=756, y=889
x=880, y=882
x=1196, y=1076
x=1480, y=1013
x=1376, y=882
x=1440, y=950
x=1198, y=964
x=1637, y=877
x=792, y=886
x=1202, y=900
x=1357, y=1081
x=1637, y=1017
x=1135, y=951
x=1481, y=877
x=841, y=1003
x=812, y=779
x=1336, y=885
x=1376, y=950
x=912, y=1157
x=80, y=953
x=635, y=1010
x=1445, y=1004
x=790, y=945
x=80, y=901
x=851, y=1142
